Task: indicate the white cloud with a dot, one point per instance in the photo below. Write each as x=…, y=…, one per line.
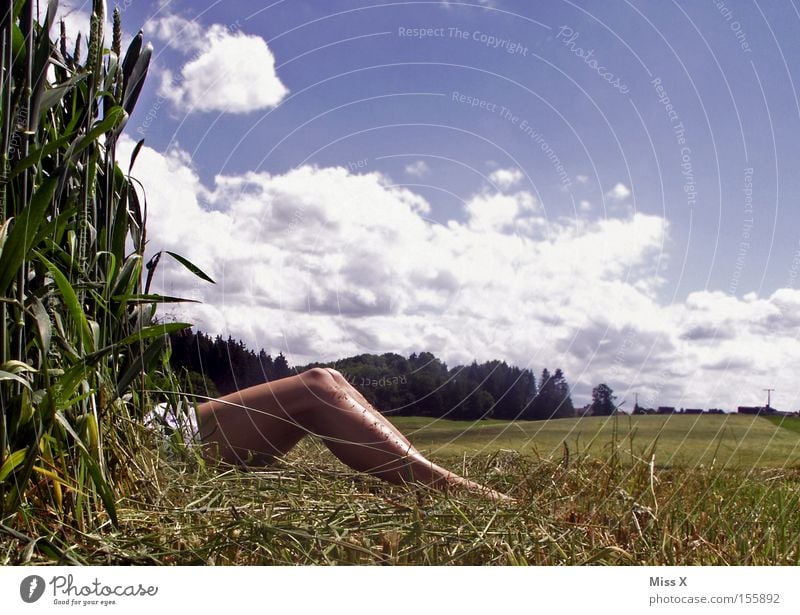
x=506, y=178
x=620, y=192
x=323, y=264
x=736, y=347
x=178, y=33
x=585, y=206
x=581, y=179
x=419, y=168
x=229, y=71
x=495, y=211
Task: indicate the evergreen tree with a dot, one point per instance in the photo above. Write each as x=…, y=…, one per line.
x=564, y=407
x=528, y=385
x=266, y=364
x=545, y=403
x=280, y=367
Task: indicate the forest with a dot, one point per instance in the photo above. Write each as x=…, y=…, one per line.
x=418, y=385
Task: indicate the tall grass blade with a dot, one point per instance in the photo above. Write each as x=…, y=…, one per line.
x=18, y=245
x=80, y=345
x=191, y=267
x=70, y=299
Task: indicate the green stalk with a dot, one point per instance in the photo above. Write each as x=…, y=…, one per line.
x=71, y=306
x=28, y=33
x=6, y=24
x=5, y=103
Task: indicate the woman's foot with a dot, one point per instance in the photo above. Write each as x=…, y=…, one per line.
x=482, y=490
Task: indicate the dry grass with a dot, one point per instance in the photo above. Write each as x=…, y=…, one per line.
x=312, y=510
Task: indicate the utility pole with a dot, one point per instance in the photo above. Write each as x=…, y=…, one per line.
x=769, y=391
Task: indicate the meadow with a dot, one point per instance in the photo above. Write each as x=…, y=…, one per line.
x=601, y=502
x=731, y=441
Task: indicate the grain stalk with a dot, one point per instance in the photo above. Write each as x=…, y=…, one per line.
x=80, y=341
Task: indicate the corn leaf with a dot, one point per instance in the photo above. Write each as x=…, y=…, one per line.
x=139, y=364
x=191, y=267
x=136, y=80
x=21, y=238
x=74, y=308
x=152, y=298
x=100, y=483
x=9, y=376
x=154, y=331
x=42, y=59
x=11, y=462
x=135, y=155
x=52, y=96
x=109, y=122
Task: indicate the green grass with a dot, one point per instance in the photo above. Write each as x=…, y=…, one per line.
x=599, y=508
x=791, y=423
x=739, y=441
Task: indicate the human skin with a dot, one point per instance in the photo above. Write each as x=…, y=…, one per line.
x=253, y=427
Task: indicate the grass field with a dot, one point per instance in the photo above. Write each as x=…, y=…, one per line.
x=601, y=506
x=791, y=423
x=740, y=441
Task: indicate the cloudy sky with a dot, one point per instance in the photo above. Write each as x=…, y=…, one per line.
x=610, y=188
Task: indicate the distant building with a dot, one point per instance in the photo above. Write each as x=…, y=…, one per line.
x=716, y=411
x=693, y=411
x=665, y=410
x=769, y=410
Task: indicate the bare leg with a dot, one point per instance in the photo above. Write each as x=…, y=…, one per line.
x=355, y=393
x=253, y=426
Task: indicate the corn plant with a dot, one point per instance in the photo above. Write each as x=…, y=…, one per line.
x=80, y=342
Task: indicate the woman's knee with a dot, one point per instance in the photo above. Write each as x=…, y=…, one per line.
x=319, y=381
x=337, y=376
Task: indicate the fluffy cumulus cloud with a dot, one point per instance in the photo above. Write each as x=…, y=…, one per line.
x=506, y=178
x=619, y=192
x=178, y=32
x=322, y=264
x=496, y=211
x=228, y=71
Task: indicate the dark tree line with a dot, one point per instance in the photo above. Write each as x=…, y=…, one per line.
x=420, y=385
x=217, y=366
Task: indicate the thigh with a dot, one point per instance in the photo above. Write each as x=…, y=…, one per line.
x=253, y=426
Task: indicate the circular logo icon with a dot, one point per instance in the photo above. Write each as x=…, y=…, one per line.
x=31, y=588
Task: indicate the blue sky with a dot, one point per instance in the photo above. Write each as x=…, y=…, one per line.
x=608, y=187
